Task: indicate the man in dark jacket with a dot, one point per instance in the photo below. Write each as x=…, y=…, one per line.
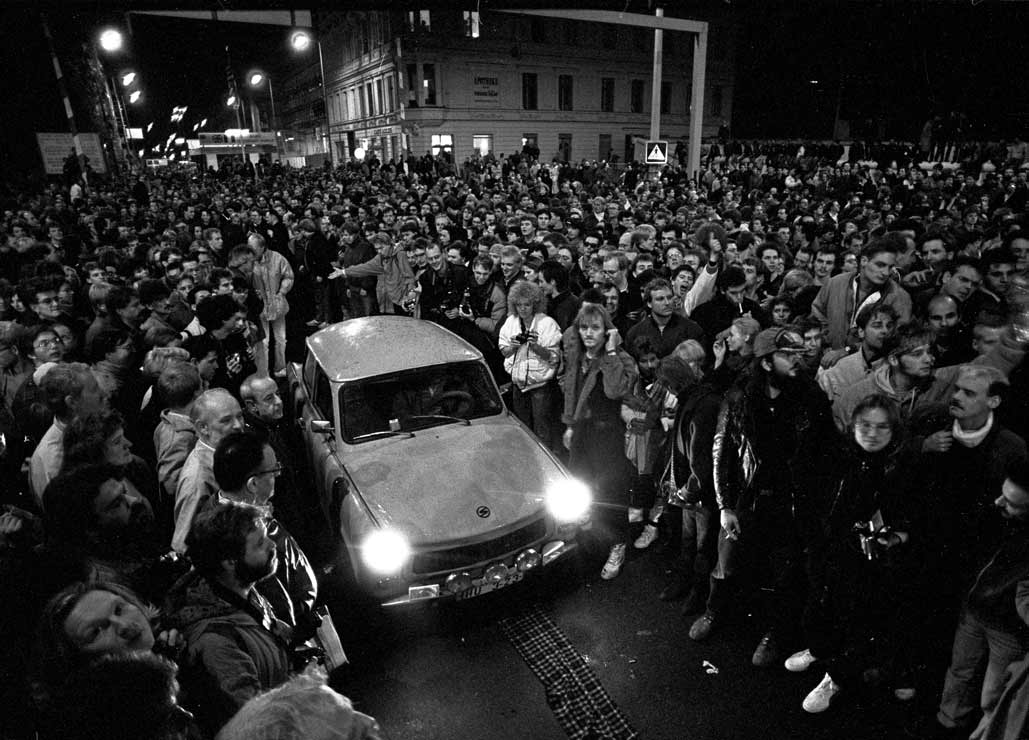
x=727, y=305
x=691, y=475
x=246, y=468
x=662, y=326
x=236, y=646
x=993, y=626
x=773, y=438
x=443, y=288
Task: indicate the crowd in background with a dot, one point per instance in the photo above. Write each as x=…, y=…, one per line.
x=802, y=372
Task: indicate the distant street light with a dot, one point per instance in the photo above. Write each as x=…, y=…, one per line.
x=111, y=40
x=230, y=101
x=256, y=79
x=128, y=78
x=301, y=40
x=134, y=97
x=203, y=122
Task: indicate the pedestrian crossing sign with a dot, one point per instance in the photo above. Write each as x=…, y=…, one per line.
x=657, y=152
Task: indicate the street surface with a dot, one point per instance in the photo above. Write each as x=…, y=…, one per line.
x=446, y=670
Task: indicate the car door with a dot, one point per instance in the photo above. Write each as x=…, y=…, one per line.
x=319, y=445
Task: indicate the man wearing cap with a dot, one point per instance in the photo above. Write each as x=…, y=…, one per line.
x=774, y=439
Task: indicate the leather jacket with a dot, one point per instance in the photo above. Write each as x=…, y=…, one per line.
x=736, y=461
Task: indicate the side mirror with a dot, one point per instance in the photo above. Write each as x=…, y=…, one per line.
x=320, y=426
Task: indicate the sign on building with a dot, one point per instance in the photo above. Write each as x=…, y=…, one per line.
x=656, y=152
x=485, y=90
x=55, y=148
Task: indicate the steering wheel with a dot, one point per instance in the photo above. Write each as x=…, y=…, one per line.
x=451, y=403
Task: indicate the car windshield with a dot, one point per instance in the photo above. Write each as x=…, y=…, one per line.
x=416, y=399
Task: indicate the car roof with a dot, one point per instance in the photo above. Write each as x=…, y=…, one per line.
x=373, y=345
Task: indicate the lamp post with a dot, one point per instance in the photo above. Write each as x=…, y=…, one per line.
x=301, y=40
x=256, y=79
x=112, y=41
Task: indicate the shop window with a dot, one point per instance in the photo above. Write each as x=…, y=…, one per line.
x=442, y=143
x=482, y=143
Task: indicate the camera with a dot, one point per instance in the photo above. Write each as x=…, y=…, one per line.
x=868, y=538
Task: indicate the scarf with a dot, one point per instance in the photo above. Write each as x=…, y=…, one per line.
x=975, y=437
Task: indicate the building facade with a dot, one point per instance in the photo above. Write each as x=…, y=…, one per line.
x=461, y=82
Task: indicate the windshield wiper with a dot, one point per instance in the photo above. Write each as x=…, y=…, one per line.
x=378, y=435
x=440, y=418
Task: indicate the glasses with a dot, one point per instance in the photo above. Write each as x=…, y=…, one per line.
x=56, y=341
x=274, y=472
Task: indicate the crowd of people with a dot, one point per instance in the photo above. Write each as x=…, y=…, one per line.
x=802, y=371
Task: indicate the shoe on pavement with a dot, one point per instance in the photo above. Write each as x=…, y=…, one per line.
x=800, y=662
x=766, y=653
x=821, y=696
x=905, y=693
x=703, y=627
x=614, y=563
x=646, y=538
x=675, y=590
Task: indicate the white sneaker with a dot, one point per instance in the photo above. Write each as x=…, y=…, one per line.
x=615, y=559
x=905, y=693
x=821, y=696
x=646, y=538
x=800, y=662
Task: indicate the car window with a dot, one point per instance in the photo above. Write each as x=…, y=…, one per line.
x=414, y=399
x=323, y=394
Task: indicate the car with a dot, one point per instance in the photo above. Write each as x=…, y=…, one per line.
x=434, y=488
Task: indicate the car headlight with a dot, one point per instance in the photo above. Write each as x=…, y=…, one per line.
x=385, y=551
x=568, y=500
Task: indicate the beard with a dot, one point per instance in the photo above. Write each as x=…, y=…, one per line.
x=246, y=573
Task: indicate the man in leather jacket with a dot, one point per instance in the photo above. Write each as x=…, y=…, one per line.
x=774, y=434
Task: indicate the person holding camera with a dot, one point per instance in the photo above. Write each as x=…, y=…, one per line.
x=861, y=564
x=530, y=342
x=443, y=288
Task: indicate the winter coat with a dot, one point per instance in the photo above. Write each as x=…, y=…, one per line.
x=397, y=278
x=527, y=369
x=619, y=376
x=235, y=648
x=174, y=439
x=835, y=306
x=736, y=461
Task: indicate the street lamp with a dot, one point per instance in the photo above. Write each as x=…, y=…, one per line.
x=301, y=40
x=256, y=79
x=230, y=102
x=128, y=78
x=134, y=97
x=111, y=40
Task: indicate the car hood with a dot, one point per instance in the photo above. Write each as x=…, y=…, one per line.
x=433, y=487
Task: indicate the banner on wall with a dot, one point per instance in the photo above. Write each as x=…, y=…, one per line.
x=485, y=90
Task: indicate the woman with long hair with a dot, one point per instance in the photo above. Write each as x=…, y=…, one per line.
x=863, y=571
x=598, y=375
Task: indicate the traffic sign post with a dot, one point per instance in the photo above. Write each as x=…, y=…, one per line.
x=656, y=152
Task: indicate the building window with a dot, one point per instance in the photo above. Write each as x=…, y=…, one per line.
x=372, y=111
x=666, y=98
x=442, y=143
x=636, y=96
x=564, y=92
x=530, y=144
x=471, y=24
x=604, y=147
x=607, y=94
x=420, y=20
x=380, y=97
x=482, y=143
x=530, y=90
x=564, y=147
x=412, y=85
x=715, y=105
x=391, y=94
x=429, y=71
x=537, y=33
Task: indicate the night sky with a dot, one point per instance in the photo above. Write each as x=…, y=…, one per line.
x=897, y=61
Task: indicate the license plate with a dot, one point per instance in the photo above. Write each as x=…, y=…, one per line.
x=485, y=588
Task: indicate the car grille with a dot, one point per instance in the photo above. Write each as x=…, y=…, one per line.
x=463, y=557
